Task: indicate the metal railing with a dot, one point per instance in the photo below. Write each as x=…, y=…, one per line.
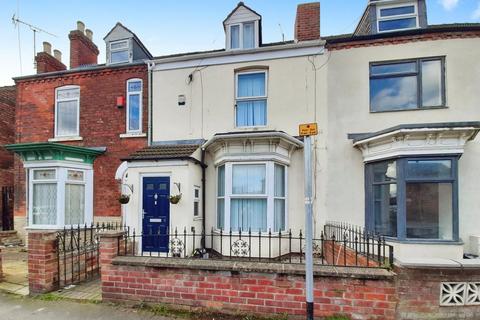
x=335, y=245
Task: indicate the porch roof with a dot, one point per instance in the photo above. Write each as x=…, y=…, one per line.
x=48, y=151
x=165, y=152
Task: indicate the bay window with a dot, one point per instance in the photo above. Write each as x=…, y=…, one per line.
x=251, y=196
x=251, y=99
x=67, y=111
x=413, y=198
x=60, y=196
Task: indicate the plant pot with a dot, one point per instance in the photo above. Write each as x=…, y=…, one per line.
x=124, y=199
x=175, y=199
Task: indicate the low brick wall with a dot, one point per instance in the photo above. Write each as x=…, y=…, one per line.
x=42, y=261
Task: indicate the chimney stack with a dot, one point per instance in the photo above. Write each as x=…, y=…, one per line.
x=82, y=49
x=45, y=62
x=307, y=22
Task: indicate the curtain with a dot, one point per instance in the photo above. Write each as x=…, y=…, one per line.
x=248, y=213
x=234, y=37
x=248, y=35
x=74, y=204
x=44, y=206
x=220, y=213
x=251, y=113
x=67, y=118
x=279, y=211
x=249, y=179
x=251, y=85
x=134, y=112
x=279, y=203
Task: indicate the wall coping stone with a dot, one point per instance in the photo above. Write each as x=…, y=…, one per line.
x=259, y=267
x=111, y=233
x=440, y=263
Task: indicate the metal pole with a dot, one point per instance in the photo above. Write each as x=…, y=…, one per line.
x=308, y=227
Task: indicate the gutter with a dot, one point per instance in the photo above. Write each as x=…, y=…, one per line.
x=150, y=66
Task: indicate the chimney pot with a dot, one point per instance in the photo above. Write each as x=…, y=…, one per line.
x=81, y=26
x=57, y=54
x=47, y=47
x=89, y=34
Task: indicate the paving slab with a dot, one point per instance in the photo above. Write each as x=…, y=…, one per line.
x=15, y=270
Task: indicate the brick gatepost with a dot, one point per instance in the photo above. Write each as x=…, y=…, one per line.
x=110, y=244
x=42, y=261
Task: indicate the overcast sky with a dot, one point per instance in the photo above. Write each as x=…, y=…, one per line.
x=172, y=26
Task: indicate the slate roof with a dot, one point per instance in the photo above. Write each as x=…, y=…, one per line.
x=165, y=152
x=8, y=95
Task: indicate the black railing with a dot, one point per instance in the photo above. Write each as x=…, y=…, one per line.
x=330, y=247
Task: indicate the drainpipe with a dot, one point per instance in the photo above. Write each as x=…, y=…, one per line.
x=150, y=65
x=204, y=223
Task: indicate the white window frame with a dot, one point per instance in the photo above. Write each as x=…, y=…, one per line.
x=140, y=93
x=61, y=179
x=240, y=35
x=63, y=100
x=198, y=201
x=127, y=47
x=269, y=194
x=397, y=17
x=239, y=99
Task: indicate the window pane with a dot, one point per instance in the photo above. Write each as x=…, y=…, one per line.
x=74, y=204
x=393, y=93
x=397, y=11
x=75, y=175
x=119, y=45
x=134, y=112
x=67, y=118
x=397, y=24
x=234, y=37
x=119, y=56
x=220, y=213
x=248, y=179
x=251, y=113
x=195, y=208
x=248, y=35
x=432, y=83
x=279, y=181
x=221, y=181
x=385, y=209
x=429, y=169
x=248, y=213
x=429, y=211
x=197, y=193
x=251, y=85
x=72, y=93
x=44, y=174
x=385, y=171
x=134, y=86
x=279, y=215
x=393, y=68
x=44, y=206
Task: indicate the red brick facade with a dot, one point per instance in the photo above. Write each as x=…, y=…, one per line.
x=82, y=50
x=101, y=123
x=307, y=22
x=42, y=262
x=7, y=133
x=47, y=63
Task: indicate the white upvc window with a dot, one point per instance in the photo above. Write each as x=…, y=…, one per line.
x=134, y=106
x=397, y=17
x=120, y=51
x=196, y=201
x=251, y=196
x=251, y=98
x=60, y=196
x=242, y=35
x=67, y=111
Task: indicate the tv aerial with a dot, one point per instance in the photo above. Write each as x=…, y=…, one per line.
x=16, y=21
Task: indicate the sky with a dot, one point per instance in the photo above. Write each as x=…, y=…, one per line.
x=173, y=26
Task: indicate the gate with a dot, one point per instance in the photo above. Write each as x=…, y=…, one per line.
x=78, y=255
x=6, y=206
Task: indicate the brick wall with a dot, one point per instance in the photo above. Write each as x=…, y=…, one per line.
x=101, y=123
x=307, y=22
x=82, y=50
x=7, y=133
x=48, y=63
x=42, y=262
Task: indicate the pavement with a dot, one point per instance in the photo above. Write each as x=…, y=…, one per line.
x=15, y=270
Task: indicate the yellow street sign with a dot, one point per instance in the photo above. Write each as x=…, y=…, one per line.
x=308, y=129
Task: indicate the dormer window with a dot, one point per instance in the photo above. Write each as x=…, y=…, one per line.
x=397, y=17
x=242, y=28
x=119, y=51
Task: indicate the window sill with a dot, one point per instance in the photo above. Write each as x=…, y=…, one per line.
x=197, y=218
x=426, y=241
x=132, y=135
x=416, y=109
x=60, y=139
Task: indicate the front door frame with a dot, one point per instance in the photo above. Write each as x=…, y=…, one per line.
x=140, y=202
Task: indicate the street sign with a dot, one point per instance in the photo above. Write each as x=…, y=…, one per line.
x=308, y=129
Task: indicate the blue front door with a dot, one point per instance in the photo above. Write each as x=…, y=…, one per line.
x=156, y=214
